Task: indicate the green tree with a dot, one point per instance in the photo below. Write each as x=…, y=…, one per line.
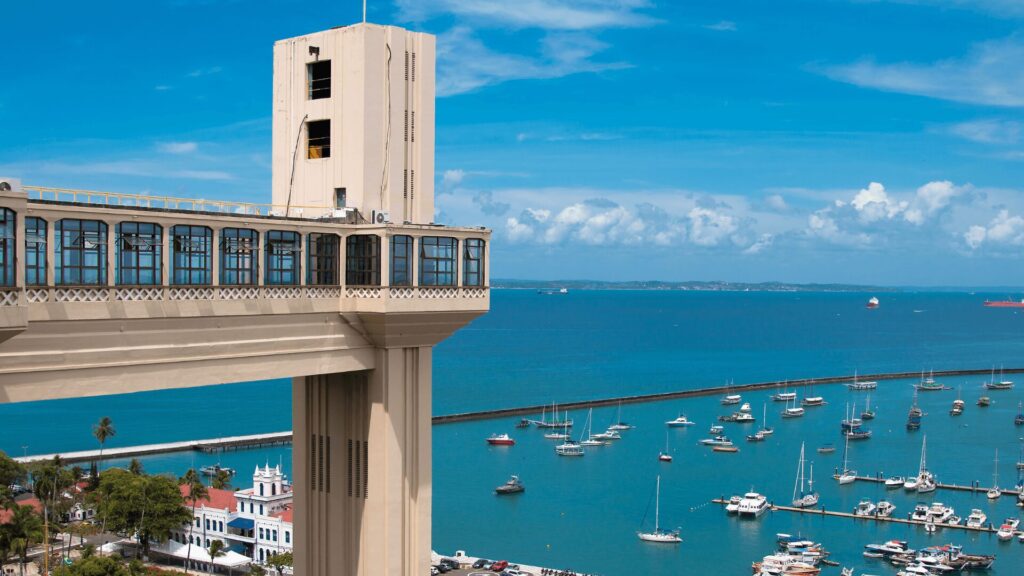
x=50, y=482
x=11, y=472
x=102, y=430
x=135, y=467
x=196, y=491
x=216, y=550
x=256, y=570
x=94, y=566
x=150, y=506
x=279, y=561
x=26, y=529
x=221, y=480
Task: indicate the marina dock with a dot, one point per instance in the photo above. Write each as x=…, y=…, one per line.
x=835, y=513
x=208, y=446
x=939, y=485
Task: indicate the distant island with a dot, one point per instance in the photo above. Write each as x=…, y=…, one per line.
x=696, y=286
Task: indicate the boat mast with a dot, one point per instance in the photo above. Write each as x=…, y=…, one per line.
x=846, y=452
x=924, y=466
x=799, y=482
x=657, y=504
x=995, y=472
x=810, y=481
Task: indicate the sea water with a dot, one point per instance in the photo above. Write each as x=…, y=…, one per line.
x=583, y=513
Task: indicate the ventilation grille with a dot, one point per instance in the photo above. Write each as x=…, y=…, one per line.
x=319, y=463
x=412, y=126
x=406, y=65
x=412, y=183
x=405, y=184
x=358, y=468
x=312, y=463
x=406, y=133
x=413, y=66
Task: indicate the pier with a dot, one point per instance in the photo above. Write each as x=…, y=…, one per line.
x=834, y=513
x=940, y=486
x=211, y=445
x=711, y=391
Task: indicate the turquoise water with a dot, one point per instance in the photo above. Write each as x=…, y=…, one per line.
x=582, y=513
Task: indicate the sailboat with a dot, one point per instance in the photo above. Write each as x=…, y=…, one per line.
x=659, y=535
x=564, y=434
x=915, y=414
x=813, y=400
x=1020, y=464
x=554, y=423
x=994, y=493
x=1002, y=384
x=1019, y=419
x=794, y=411
x=929, y=384
x=802, y=499
x=924, y=482
x=730, y=399
x=664, y=456
x=569, y=447
x=590, y=439
x=858, y=385
x=847, y=476
x=868, y=413
x=619, y=424
x=958, y=404
x=765, y=430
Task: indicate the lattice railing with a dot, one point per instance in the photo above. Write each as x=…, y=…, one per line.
x=81, y=294
x=192, y=293
x=363, y=292
x=36, y=295
x=323, y=292
x=281, y=292
x=239, y=292
x=8, y=297
x=140, y=294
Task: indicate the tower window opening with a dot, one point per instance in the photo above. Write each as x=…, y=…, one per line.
x=318, y=76
x=319, y=136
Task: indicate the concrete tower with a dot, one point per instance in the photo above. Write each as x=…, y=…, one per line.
x=354, y=125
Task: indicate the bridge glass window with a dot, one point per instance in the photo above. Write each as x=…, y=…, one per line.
x=318, y=135
x=80, y=257
x=324, y=251
x=362, y=260
x=239, y=255
x=191, y=255
x=401, y=260
x=473, y=262
x=8, y=224
x=139, y=250
x=319, y=77
x=282, y=258
x=437, y=261
x=35, y=251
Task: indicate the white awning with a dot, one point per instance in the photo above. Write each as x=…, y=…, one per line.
x=230, y=558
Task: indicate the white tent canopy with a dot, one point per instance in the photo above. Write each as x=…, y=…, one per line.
x=230, y=559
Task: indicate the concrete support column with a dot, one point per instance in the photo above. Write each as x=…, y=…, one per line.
x=362, y=468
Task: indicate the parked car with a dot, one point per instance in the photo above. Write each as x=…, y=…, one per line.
x=513, y=572
x=499, y=566
x=442, y=568
x=481, y=563
x=433, y=571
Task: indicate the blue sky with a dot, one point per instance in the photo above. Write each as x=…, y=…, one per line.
x=796, y=140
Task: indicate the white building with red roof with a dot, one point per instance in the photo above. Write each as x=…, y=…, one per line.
x=255, y=522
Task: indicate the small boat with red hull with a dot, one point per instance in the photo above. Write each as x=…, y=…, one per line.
x=872, y=303
x=500, y=440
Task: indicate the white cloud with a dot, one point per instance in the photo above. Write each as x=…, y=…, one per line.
x=722, y=26
x=1003, y=231
x=178, y=147
x=451, y=179
x=205, y=72
x=992, y=73
x=762, y=243
x=468, y=64
x=545, y=14
x=988, y=131
x=873, y=204
x=776, y=202
x=709, y=227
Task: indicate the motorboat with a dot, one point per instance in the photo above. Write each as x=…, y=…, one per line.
x=752, y=505
x=954, y=520
x=215, y=469
x=911, y=484
x=745, y=407
x=804, y=498
x=608, y=435
x=716, y=429
x=717, y=441
x=826, y=449
x=976, y=519
x=512, y=486
x=523, y=423
x=679, y=422
x=729, y=449
x=958, y=407
x=734, y=505
x=1005, y=532
x=895, y=481
x=569, y=448
x=500, y=440
x=743, y=418
x=930, y=527
x=884, y=509
x=593, y=441
x=920, y=513
x=758, y=436
x=659, y=535
x=784, y=565
x=556, y=436
x=872, y=303
x=984, y=401
x=939, y=513
x=731, y=399
x=865, y=508
x=890, y=548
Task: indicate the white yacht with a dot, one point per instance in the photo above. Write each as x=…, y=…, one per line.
x=732, y=399
x=976, y=519
x=895, y=481
x=920, y=513
x=752, y=504
x=717, y=441
x=939, y=513
x=890, y=548
x=659, y=535
x=569, y=448
x=590, y=439
x=865, y=508
x=994, y=493
x=734, y=505
x=1006, y=530
x=679, y=422
x=885, y=509
x=608, y=435
x=743, y=418
x=745, y=407
x=785, y=395
x=716, y=429
x=926, y=483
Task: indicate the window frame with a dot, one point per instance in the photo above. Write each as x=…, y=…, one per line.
x=362, y=260
x=283, y=254
x=139, y=254
x=239, y=255
x=192, y=266
x=322, y=147
x=431, y=265
x=477, y=268
x=8, y=246
x=82, y=240
x=323, y=253
x=407, y=244
x=311, y=82
x=36, y=256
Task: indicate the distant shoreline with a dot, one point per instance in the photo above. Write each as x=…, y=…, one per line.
x=721, y=286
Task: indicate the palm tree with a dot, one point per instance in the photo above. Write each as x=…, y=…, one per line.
x=26, y=529
x=196, y=491
x=135, y=467
x=221, y=480
x=102, y=430
x=216, y=549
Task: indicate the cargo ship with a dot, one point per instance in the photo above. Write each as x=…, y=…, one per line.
x=1004, y=303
